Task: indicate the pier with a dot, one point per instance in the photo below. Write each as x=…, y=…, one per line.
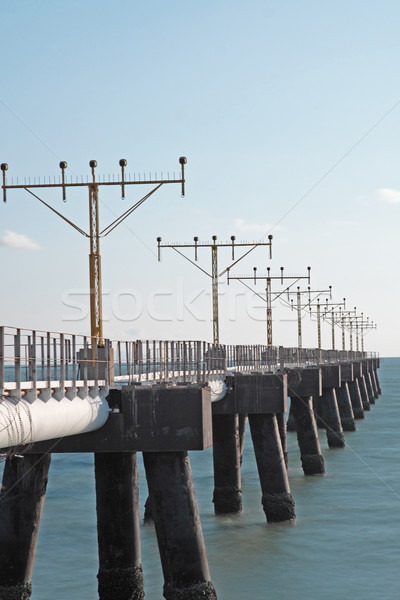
x=164, y=399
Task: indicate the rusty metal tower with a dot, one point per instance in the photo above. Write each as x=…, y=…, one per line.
x=317, y=312
x=304, y=306
x=335, y=317
x=96, y=322
x=270, y=296
x=214, y=275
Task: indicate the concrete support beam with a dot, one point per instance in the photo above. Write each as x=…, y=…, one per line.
x=255, y=393
x=21, y=504
x=118, y=530
x=178, y=528
x=277, y=499
x=151, y=418
x=227, y=496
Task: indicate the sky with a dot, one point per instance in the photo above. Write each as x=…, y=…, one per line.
x=288, y=113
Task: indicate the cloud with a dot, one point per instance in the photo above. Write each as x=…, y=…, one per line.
x=389, y=195
x=242, y=227
x=18, y=240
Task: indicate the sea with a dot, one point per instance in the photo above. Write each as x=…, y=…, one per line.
x=345, y=542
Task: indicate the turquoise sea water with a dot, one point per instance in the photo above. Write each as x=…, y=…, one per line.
x=345, y=543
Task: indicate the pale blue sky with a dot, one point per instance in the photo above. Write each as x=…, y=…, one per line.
x=264, y=98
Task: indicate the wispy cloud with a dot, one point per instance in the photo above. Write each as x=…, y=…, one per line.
x=389, y=195
x=262, y=228
x=18, y=240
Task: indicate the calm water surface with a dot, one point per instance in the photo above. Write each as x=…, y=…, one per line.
x=345, y=543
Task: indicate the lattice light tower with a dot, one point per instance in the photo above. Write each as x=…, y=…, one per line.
x=304, y=306
x=359, y=324
x=341, y=321
x=214, y=275
x=96, y=321
x=311, y=305
x=366, y=326
x=332, y=315
x=269, y=299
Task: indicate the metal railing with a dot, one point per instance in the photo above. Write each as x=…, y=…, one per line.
x=32, y=360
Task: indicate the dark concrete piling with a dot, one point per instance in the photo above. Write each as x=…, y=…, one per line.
x=227, y=496
x=291, y=423
x=345, y=408
x=118, y=531
x=318, y=410
x=370, y=391
x=277, y=500
x=242, y=433
x=307, y=435
x=178, y=528
x=376, y=367
x=21, y=504
x=147, y=515
x=374, y=384
x=356, y=400
x=281, y=420
x=334, y=430
x=364, y=393
x=328, y=406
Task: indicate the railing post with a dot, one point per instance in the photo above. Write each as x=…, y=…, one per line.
x=74, y=364
x=55, y=366
x=140, y=359
x=85, y=365
x=119, y=358
x=198, y=361
x=1, y=360
x=62, y=366
x=147, y=359
x=184, y=365
x=166, y=368
x=107, y=361
x=17, y=361
x=134, y=361
x=32, y=355
x=66, y=359
x=281, y=358
x=96, y=362
x=48, y=359
x=42, y=352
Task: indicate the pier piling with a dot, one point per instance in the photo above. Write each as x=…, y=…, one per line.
x=281, y=420
x=21, y=504
x=334, y=430
x=118, y=530
x=364, y=393
x=356, y=400
x=242, y=433
x=307, y=435
x=370, y=391
x=345, y=408
x=277, y=499
x=178, y=528
x=227, y=496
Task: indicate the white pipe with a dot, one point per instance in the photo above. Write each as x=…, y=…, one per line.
x=218, y=389
x=24, y=422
